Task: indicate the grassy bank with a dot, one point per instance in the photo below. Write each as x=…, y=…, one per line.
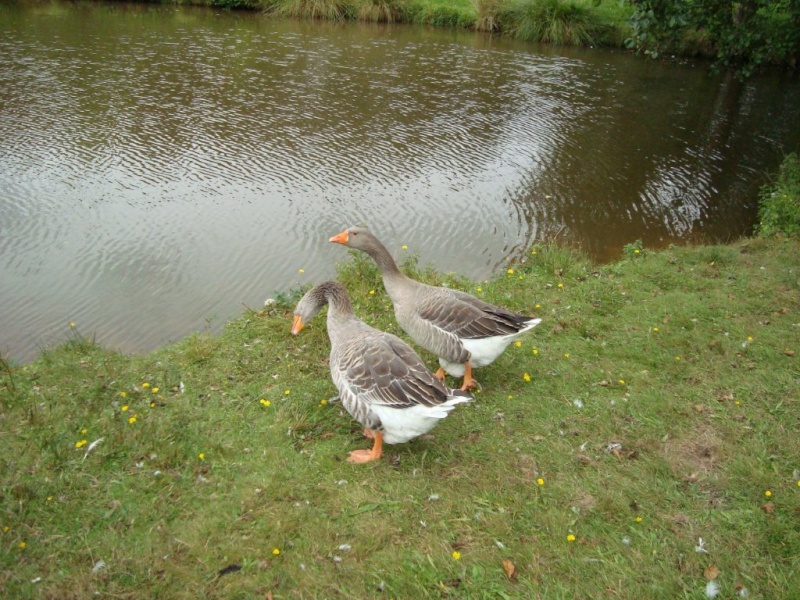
x=571, y=22
x=656, y=405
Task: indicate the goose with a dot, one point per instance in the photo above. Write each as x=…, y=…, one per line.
x=463, y=331
x=382, y=382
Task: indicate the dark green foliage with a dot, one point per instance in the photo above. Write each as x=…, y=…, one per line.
x=744, y=35
x=779, y=209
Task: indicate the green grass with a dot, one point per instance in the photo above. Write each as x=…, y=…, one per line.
x=662, y=404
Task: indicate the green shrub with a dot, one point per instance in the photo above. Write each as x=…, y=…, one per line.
x=779, y=210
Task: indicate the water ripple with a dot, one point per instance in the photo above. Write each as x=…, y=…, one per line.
x=161, y=172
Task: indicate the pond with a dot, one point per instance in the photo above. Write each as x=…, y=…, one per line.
x=161, y=167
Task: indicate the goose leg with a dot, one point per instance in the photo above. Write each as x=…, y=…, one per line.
x=439, y=374
x=469, y=382
x=362, y=456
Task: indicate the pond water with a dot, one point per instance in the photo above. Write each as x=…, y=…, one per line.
x=162, y=166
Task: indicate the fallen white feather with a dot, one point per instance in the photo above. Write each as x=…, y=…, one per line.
x=92, y=446
x=98, y=566
x=712, y=589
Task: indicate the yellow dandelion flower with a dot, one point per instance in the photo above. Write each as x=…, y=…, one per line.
x=202, y=456
x=6, y=528
x=287, y=392
x=540, y=481
x=81, y=444
x=123, y=394
x=566, y=355
x=677, y=358
x=276, y=551
x=152, y=404
x=570, y=538
x=404, y=247
x=510, y=396
x=561, y=285
x=749, y=338
x=535, y=351
x=521, y=277
x=22, y=545
x=636, y=251
x=534, y=252
x=798, y=484
x=456, y=555
x=768, y=494
x=655, y=329
x=323, y=402
x=301, y=271
x=737, y=402
x=622, y=382
x=518, y=344
x=145, y=385
x=538, y=306
x=266, y=403
x=49, y=498
x=132, y=420
x=526, y=377
x=372, y=292
x=124, y=408
x=511, y=271
x=83, y=431
x=638, y=519
x=72, y=324
x=155, y=390
x=480, y=289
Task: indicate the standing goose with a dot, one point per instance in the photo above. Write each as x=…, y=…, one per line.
x=463, y=331
x=382, y=382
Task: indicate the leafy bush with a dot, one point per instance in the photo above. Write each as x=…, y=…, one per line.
x=779, y=209
x=744, y=34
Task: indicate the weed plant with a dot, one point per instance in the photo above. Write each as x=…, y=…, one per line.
x=642, y=442
x=779, y=207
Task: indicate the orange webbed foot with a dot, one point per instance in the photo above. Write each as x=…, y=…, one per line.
x=363, y=456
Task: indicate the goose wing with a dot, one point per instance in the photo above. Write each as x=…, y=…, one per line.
x=467, y=317
x=381, y=369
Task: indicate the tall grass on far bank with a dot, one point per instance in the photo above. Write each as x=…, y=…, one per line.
x=565, y=22
x=560, y=22
x=779, y=210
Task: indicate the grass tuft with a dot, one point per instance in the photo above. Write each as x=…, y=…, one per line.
x=380, y=11
x=560, y=22
x=334, y=10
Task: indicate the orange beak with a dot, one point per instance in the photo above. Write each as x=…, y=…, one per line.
x=297, y=324
x=342, y=238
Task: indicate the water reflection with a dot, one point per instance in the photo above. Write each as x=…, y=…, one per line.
x=160, y=166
